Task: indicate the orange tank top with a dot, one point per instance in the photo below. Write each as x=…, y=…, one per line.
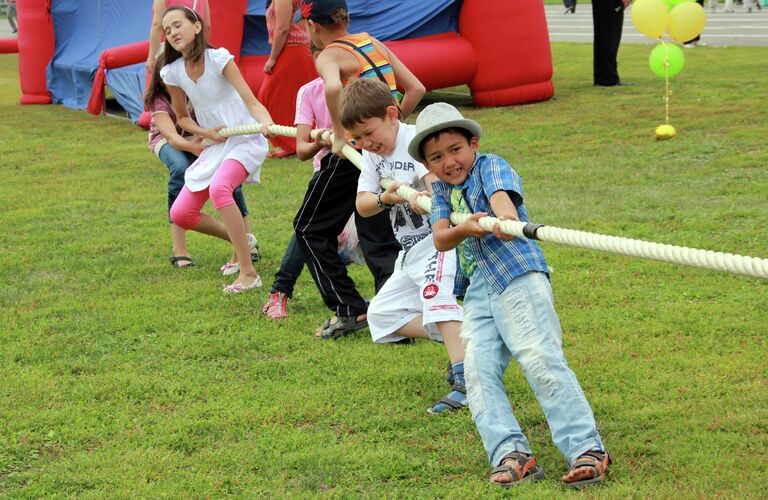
x=372, y=62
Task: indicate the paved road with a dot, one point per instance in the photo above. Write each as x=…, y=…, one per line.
x=722, y=29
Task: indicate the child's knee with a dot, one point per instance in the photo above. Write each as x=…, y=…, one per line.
x=221, y=195
x=185, y=219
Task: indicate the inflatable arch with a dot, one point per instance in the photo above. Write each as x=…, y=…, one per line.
x=499, y=48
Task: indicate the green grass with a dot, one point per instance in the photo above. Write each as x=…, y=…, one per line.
x=124, y=377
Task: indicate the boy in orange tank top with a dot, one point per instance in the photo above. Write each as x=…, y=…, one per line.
x=327, y=22
x=330, y=197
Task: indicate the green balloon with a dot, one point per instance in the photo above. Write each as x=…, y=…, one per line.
x=672, y=3
x=667, y=54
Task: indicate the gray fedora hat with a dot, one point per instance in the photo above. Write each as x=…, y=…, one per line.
x=435, y=117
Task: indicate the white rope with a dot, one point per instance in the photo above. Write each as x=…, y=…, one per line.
x=707, y=259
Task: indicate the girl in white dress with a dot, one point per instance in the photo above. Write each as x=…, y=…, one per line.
x=221, y=98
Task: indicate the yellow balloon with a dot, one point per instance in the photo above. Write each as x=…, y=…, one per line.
x=686, y=21
x=650, y=17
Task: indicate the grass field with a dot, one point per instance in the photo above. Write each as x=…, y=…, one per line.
x=124, y=377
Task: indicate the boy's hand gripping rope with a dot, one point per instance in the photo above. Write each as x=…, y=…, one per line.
x=707, y=259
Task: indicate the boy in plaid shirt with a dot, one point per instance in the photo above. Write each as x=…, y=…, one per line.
x=508, y=307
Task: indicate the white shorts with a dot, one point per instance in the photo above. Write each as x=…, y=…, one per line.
x=421, y=285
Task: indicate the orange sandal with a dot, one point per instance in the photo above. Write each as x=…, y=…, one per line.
x=520, y=467
x=597, y=460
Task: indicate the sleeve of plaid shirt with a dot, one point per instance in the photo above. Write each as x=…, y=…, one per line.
x=498, y=175
x=441, y=203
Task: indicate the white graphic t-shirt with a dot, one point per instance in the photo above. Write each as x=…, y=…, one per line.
x=409, y=227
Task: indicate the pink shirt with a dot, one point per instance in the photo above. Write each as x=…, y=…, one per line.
x=163, y=105
x=296, y=33
x=311, y=110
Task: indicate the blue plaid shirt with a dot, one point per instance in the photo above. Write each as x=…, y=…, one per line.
x=499, y=261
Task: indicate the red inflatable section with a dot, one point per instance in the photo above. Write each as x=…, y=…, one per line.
x=501, y=52
x=419, y=55
x=227, y=23
x=9, y=46
x=511, y=41
x=35, y=49
x=116, y=57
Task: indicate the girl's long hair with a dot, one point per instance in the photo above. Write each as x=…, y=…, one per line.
x=200, y=43
x=156, y=87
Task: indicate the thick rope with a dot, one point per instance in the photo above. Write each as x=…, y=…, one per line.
x=707, y=259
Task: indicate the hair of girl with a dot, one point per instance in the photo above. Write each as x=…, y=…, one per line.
x=198, y=46
x=156, y=86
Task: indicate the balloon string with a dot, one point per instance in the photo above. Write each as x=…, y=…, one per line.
x=666, y=83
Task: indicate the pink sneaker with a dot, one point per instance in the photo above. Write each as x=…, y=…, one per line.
x=278, y=306
x=273, y=298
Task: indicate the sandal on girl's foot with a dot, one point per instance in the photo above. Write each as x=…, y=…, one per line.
x=454, y=401
x=519, y=467
x=177, y=259
x=238, y=288
x=339, y=326
x=253, y=247
x=229, y=268
x=595, y=467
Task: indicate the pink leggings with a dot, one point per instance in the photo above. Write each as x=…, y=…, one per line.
x=185, y=211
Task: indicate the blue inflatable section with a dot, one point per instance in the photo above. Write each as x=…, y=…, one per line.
x=84, y=28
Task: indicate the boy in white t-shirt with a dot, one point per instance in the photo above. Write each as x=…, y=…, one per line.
x=417, y=301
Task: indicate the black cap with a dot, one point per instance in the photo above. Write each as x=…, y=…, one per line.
x=319, y=10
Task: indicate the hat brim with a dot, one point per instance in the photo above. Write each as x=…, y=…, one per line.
x=470, y=125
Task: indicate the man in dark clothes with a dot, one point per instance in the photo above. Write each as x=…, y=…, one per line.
x=608, y=19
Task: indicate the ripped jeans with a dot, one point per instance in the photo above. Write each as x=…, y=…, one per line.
x=521, y=323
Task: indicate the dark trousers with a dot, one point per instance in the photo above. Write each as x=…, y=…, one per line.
x=607, y=19
x=570, y=4
x=290, y=269
x=327, y=205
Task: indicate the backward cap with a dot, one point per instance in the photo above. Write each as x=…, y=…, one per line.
x=319, y=11
x=436, y=117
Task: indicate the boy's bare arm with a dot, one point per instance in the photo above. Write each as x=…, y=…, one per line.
x=330, y=71
x=367, y=203
x=413, y=89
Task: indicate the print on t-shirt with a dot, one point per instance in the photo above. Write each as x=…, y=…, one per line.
x=409, y=227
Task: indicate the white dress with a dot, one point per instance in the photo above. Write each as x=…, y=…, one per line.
x=216, y=102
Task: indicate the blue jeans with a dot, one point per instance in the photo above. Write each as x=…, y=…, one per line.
x=521, y=323
x=178, y=162
x=290, y=269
